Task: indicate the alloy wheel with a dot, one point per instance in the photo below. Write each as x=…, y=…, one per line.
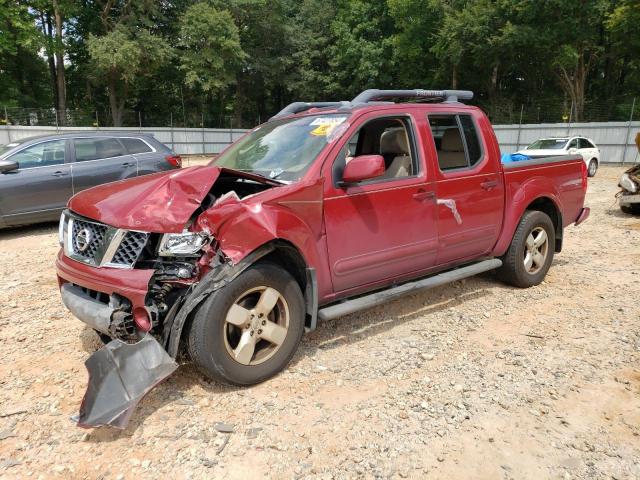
x=536, y=250
x=256, y=325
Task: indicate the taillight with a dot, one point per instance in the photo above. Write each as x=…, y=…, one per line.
x=174, y=160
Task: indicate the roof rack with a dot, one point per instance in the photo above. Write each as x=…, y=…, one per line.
x=447, y=95
x=373, y=96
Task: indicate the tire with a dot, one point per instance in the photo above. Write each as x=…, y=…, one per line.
x=514, y=269
x=630, y=209
x=592, y=168
x=223, y=350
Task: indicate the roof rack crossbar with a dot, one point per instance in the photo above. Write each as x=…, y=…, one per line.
x=297, y=107
x=448, y=95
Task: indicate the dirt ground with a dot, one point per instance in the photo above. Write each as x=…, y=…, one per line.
x=473, y=380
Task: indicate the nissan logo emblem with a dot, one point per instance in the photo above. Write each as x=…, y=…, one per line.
x=83, y=239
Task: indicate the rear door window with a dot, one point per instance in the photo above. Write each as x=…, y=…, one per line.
x=135, y=145
x=97, y=148
x=42, y=154
x=456, y=140
x=584, y=143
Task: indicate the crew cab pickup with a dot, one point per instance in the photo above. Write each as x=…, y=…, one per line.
x=326, y=209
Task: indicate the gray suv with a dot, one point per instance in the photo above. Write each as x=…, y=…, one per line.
x=39, y=174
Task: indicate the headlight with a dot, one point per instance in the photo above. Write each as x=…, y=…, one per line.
x=628, y=184
x=180, y=244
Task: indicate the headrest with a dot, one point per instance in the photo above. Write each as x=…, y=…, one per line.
x=394, y=141
x=451, y=141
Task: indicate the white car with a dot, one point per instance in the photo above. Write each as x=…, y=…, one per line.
x=566, y=146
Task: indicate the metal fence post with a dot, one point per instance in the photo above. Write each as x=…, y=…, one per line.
x=97, y=121
x=519, y=127
x=570, y=118
x=57, y=127
x=626, y=138
x=231, y=130
x=139, y=121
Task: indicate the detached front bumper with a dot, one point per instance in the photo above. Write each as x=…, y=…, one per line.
x=132, y=285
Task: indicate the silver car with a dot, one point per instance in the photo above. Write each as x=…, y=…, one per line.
x=39, y=174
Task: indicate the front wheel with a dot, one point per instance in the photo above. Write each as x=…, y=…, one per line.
x=247, y=331
x=531, y=251
x=593, y=167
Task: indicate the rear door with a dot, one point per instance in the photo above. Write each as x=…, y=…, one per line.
x=587, y=149
x=99, y=160
x=39, y=189
x=149, y=159
x=469, y=185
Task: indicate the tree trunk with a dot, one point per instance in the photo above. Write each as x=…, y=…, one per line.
x=47, y=29
x=60, y=81
x=115, y=102
x=454, y=77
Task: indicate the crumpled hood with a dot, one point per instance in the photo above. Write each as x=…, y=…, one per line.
x=161, y=202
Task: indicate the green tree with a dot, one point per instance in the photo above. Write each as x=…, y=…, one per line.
x=128, y=50
x=211, y=53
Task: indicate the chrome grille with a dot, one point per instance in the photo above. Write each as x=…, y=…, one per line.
x=130, y=248
x=88, y=239
x=100, y=245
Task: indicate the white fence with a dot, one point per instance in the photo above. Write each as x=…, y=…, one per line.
x=615, y=139
x=184, y=141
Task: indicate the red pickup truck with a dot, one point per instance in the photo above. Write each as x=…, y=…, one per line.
x=327, y=209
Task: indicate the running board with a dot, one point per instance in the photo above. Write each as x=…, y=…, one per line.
x=378, y=298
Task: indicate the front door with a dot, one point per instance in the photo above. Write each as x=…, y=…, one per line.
x=39, y=189
x=470, y=189
x=99, y=160
x=381, y=228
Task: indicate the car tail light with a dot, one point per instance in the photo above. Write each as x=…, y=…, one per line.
x=174, y=160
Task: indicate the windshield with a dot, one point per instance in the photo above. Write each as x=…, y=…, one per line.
x=548, y=144
x=283, y=150
x=9, y=146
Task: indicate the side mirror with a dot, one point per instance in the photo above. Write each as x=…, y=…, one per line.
x=7, y=166
x=362, y=168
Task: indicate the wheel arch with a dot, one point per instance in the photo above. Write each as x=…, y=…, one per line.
x=279, y=251
x=546, y=201
x=548, y=206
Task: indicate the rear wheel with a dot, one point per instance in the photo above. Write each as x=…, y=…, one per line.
x=593, y=167
x=247, y=331
x=531, y=251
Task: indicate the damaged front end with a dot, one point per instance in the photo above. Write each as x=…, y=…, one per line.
x=629, y=195
x=143, y=305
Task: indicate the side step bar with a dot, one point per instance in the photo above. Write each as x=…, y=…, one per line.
x=378, y=298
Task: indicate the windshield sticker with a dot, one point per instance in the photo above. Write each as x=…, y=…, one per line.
x=325, y=125
x=328, y=121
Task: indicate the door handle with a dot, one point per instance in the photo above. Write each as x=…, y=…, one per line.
x=60, y=173
x=127, y=164
x=421, y=195
x=489, y=184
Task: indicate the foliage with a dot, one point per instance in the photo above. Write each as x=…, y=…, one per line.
x=208, y=60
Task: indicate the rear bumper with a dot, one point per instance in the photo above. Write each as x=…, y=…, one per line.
x=131, y=284
x=584, y=214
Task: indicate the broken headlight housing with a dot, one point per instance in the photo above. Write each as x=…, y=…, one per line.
x=182, y=244
x=627, y=183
